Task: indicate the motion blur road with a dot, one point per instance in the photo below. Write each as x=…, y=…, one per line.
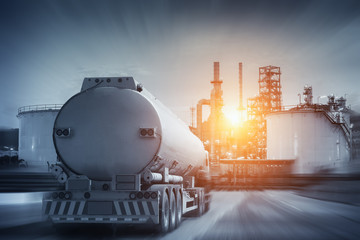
x=270, y=214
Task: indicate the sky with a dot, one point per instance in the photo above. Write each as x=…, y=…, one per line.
x=48, y=47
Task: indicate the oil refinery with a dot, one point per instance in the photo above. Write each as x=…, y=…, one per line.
x=180, y=119
x=113, y=155
x=281, y=136
x=308, y=138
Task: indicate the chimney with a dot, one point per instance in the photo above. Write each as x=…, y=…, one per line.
x=241, y=87
x=216, y=72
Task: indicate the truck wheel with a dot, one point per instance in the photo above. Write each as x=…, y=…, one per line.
x=178, y=208
x=172, y=211
x=200, y=201
x=164, y=214
x=207, y=206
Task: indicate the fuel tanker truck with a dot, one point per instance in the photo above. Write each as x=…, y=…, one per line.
x=124, y=158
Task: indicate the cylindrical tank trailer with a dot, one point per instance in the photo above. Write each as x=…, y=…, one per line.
x=114, y=126
x=125, y=159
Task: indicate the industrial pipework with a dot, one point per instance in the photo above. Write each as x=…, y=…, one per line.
x=199, y=115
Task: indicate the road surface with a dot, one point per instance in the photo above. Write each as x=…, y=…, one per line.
x=265, y=214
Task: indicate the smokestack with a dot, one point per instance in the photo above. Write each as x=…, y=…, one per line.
x=216, y=72
x=241, y=87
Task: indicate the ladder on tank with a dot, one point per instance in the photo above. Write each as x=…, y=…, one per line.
x=343, y=125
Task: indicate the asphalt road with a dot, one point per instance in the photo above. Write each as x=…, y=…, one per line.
x=233, y=215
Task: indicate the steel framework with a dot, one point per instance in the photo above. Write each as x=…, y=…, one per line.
x=268, y=100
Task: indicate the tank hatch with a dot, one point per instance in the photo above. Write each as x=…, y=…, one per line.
x=119, y=82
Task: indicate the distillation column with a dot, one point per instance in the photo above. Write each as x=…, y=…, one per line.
x=216, y=104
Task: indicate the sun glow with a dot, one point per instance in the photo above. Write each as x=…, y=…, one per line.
x=233, y=115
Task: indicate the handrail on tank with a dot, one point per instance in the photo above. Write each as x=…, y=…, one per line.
x=288, y=107
x=332, y=116
x=40, y=107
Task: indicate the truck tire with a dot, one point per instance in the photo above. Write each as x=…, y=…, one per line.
x=207, y=206
x=201, y=203
x=178, y=208
x=164, y=213
x=172, y=224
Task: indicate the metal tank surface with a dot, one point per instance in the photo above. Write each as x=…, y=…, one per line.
x=317, y=144
x=114, y=126
x=35, y=135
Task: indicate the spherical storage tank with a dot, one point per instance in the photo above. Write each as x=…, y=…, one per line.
x=35, y=135
x=114, y=126
x=309, y=137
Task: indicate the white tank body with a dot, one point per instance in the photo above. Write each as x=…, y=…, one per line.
x=310, y=138
x=35, y=135
x=105, y=121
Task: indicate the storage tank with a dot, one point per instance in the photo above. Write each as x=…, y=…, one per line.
x=114, y=126
x=316, y=141
x=35, y=135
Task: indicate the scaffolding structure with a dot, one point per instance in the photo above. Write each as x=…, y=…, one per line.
x=270, y=88
x=268, y=100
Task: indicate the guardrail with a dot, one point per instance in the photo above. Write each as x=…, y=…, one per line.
x=28, y=182
x=41, y=107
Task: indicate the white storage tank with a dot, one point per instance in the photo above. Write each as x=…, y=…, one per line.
x=35, y=135
x=317, y=143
